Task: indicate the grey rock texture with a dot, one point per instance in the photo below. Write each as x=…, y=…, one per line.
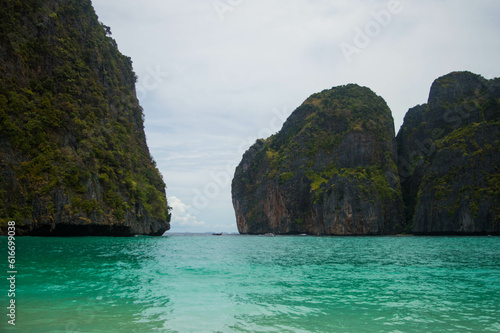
x=331, y=170
x=449, y=155
x=73, y=154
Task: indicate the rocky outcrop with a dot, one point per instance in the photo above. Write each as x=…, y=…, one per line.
x=331, y=170
x=73, y=154
x=449, y=158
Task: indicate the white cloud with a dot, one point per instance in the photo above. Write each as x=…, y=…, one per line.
x=181, y=216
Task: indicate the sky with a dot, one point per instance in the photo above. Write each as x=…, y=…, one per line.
x=215, y=75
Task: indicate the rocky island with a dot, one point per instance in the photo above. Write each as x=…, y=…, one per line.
x=449, y=158
x=331, y=170
x=335, y=168
x=73, y=154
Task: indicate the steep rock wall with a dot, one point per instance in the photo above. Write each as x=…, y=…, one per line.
x=449, y=155
x=330, y=170
x=73, y=153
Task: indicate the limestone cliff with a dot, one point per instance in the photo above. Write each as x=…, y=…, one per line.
x=73, y=153
x=449, y=157
x=331, y=170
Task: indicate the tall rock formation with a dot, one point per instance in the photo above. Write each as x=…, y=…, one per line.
x=331, y=170
x=73, y=153
x=449, y=158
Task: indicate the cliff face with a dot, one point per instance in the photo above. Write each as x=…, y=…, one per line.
x=330, y=170
x=73, y=153
x=449, y=158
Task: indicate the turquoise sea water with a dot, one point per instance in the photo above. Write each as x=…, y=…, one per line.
x=187, y=283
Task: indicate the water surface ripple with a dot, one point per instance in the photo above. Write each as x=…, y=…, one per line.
x=189, y=283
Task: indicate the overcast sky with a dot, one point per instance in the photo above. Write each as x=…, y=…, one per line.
x=215, y=75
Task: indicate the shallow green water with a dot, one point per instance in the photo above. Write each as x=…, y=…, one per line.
x=255, y=284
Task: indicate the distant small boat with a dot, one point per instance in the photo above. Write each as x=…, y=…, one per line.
x=269, y=234
x=217, y=234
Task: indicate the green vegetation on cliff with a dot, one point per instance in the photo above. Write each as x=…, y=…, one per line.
x=449, y=157
x=72, y=142
x=332, y=167
x=319, y=125
x=336, y=149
